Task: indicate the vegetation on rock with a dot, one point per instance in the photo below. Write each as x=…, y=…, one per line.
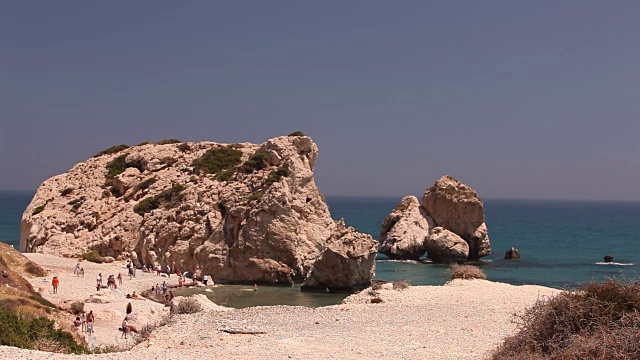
x=116, y=167
x=217, y=160
x=187, y=306
x=35, y=333
x=598, y=321
x=257, y=161
x=112, y=150
x=466, y=272
x=39, y=209
x=184, y=147
x=226, y=175
x=93, y=256
x=276, y=176
x=170, y=198
x=296, y=133
x=168, y=141
x=144, y=143
x=66, y=191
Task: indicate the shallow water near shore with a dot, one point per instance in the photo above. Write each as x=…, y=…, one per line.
x=562, y=245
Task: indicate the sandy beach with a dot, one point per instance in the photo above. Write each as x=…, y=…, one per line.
x=464, y=319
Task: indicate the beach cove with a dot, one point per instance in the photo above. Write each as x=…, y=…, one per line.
x=464, y=319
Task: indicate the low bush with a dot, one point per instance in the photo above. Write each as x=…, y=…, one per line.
x=93, y=256
x=376, y=300
x=77, y=307
x=34, y=269
x=184, y=147
x=145, y=184
x=276, y=176
x=226, y=175
x=66, y=191
x=296, y=133
x=35, y=333
x=116, y=167
x=168, y=141
x=77, y=202
x=42, y=301
x=217, y=160
x=400, y=285
x=466, y=272
x=257, y=196
x=144, y=143
x=169, y=198
x=112, y=150
x=39, y=209
x=187, y=306
x=598, y=321
x=257, y=161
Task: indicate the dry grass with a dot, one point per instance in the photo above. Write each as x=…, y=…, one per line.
x=400, y=285
x=599, y=321
x=466, y=272
x=187, y=306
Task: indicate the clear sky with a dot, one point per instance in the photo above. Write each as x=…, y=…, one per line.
x=536, y=99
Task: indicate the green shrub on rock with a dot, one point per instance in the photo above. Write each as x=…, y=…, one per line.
x=39, y=209
x=217, y=160
x=276, y=176
x=66, y=191
x=296, y=133
x=112, y=150
x=169, y=198
x=168, y=141
x=257, y=161
x=40, y=333
x=93, y=256
x=184, y=147
x=116, y=167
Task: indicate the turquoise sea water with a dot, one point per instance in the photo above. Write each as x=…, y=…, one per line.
x=561, y=243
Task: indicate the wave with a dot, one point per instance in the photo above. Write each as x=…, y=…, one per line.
x=614, y=263
x=399, y=261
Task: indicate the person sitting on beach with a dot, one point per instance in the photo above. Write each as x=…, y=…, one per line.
x=124, y=328
x=180, y=281
x=77, y=322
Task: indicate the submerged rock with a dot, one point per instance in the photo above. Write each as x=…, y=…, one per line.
x=512, y=253
x=240, y=213
x=608, y=258
x=448, y=205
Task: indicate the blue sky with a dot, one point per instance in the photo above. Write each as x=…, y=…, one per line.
x=518, y=99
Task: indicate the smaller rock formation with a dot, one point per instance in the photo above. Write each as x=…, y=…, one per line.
x=512, y=253
x=445, y=246
x=608, y=258
x=347, y=262
x=404, y=231
x=448, y=224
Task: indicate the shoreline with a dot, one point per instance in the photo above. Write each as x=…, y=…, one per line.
x=463, y=319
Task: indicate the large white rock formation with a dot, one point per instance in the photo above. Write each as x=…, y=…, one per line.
x=239, y=212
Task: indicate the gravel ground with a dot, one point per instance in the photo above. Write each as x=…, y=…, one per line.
x=460, y=320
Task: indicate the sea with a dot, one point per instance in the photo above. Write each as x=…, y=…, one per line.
x=562, y=244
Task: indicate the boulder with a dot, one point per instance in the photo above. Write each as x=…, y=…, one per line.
x=444, y=246
x=404, y=232
x=454, y=206
x=512, y=253
x=103, y=296
x=258, y=217
x=347, y=263
x=608, y=258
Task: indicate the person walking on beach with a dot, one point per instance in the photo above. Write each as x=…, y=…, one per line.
x=76, y=270
x=55, y=282
x=168, y=271
x=90, y=318
x=158, y=270
x=205, y=279
x=120, y=279
x=83, y=318
x=124, y=328
x=164, y=287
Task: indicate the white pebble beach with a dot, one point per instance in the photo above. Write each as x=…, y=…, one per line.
x=464, y=319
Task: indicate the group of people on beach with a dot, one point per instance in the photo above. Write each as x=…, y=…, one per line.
x=78, y=270
x=85, y=322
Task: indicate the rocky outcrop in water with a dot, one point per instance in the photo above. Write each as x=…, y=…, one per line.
x=448, y=224
x=346, y=263
x=237, y=212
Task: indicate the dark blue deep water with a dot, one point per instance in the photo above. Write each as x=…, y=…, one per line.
x=562, y=243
